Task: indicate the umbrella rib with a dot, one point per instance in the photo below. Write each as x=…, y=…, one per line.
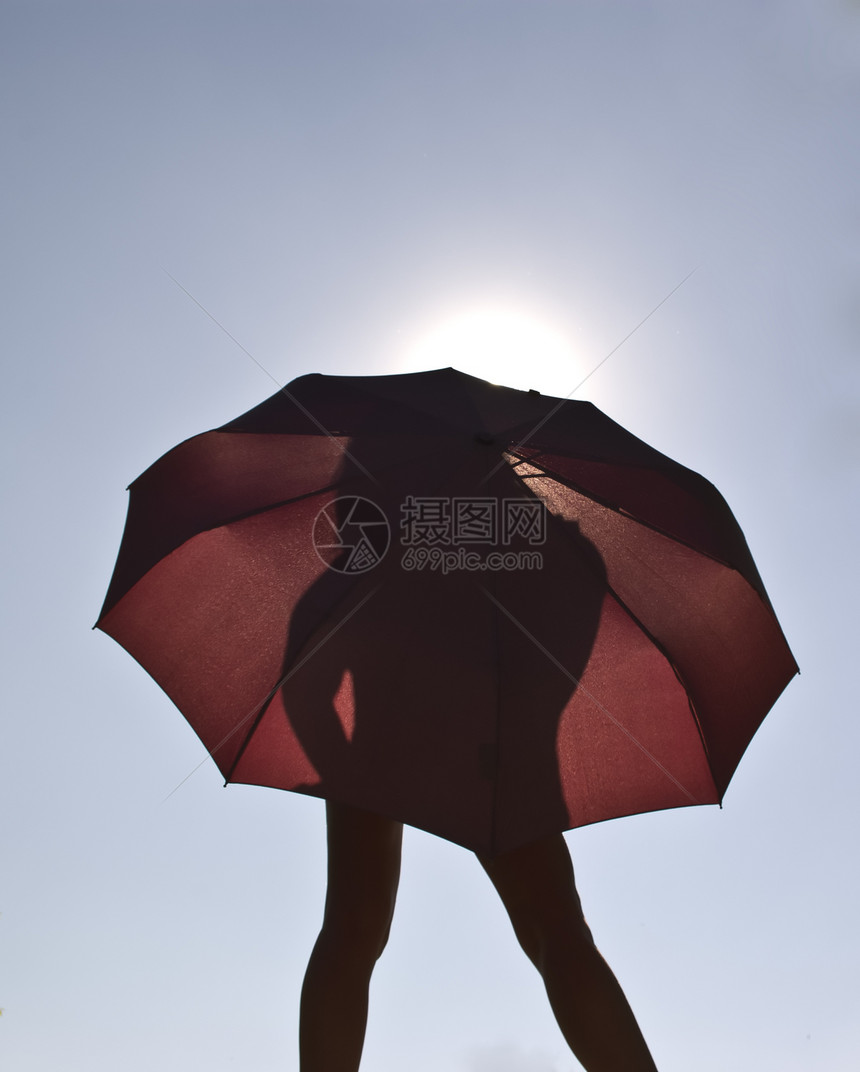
x=644, y=628
x=661, y=648
x=336, y=485
x=260, y=708
x=212, y=526
x=614, y=507
x=498, y=751
x=601, y=707
x=265, y=508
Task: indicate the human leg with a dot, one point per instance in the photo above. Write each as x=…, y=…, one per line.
x=363, y=874
x=537, y=887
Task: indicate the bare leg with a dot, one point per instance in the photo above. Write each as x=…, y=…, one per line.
x=537, y=887
x=363, y=874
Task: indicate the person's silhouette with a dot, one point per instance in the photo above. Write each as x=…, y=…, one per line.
x=399, y=687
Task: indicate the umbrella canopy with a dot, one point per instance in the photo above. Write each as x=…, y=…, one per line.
x=488, y=613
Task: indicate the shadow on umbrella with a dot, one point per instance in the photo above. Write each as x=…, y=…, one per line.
x=428, y=704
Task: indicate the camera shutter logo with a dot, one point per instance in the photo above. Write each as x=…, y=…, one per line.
x=351, y=534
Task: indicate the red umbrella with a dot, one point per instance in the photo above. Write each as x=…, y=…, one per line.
x=488, y=613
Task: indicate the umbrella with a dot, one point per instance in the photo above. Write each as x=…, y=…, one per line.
x=488, y=613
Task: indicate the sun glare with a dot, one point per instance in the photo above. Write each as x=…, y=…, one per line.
x=502, y=346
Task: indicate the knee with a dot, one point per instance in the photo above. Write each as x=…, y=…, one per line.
x=537, y=887
x=545, y=932
x=359, y=929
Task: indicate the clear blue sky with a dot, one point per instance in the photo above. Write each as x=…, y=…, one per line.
x=335, y=182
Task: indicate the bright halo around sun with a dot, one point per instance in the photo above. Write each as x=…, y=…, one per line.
x=503, y=346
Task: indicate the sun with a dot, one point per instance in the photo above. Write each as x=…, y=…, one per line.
x=502, y=345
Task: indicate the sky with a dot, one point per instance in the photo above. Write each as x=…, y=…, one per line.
x=203, y=200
